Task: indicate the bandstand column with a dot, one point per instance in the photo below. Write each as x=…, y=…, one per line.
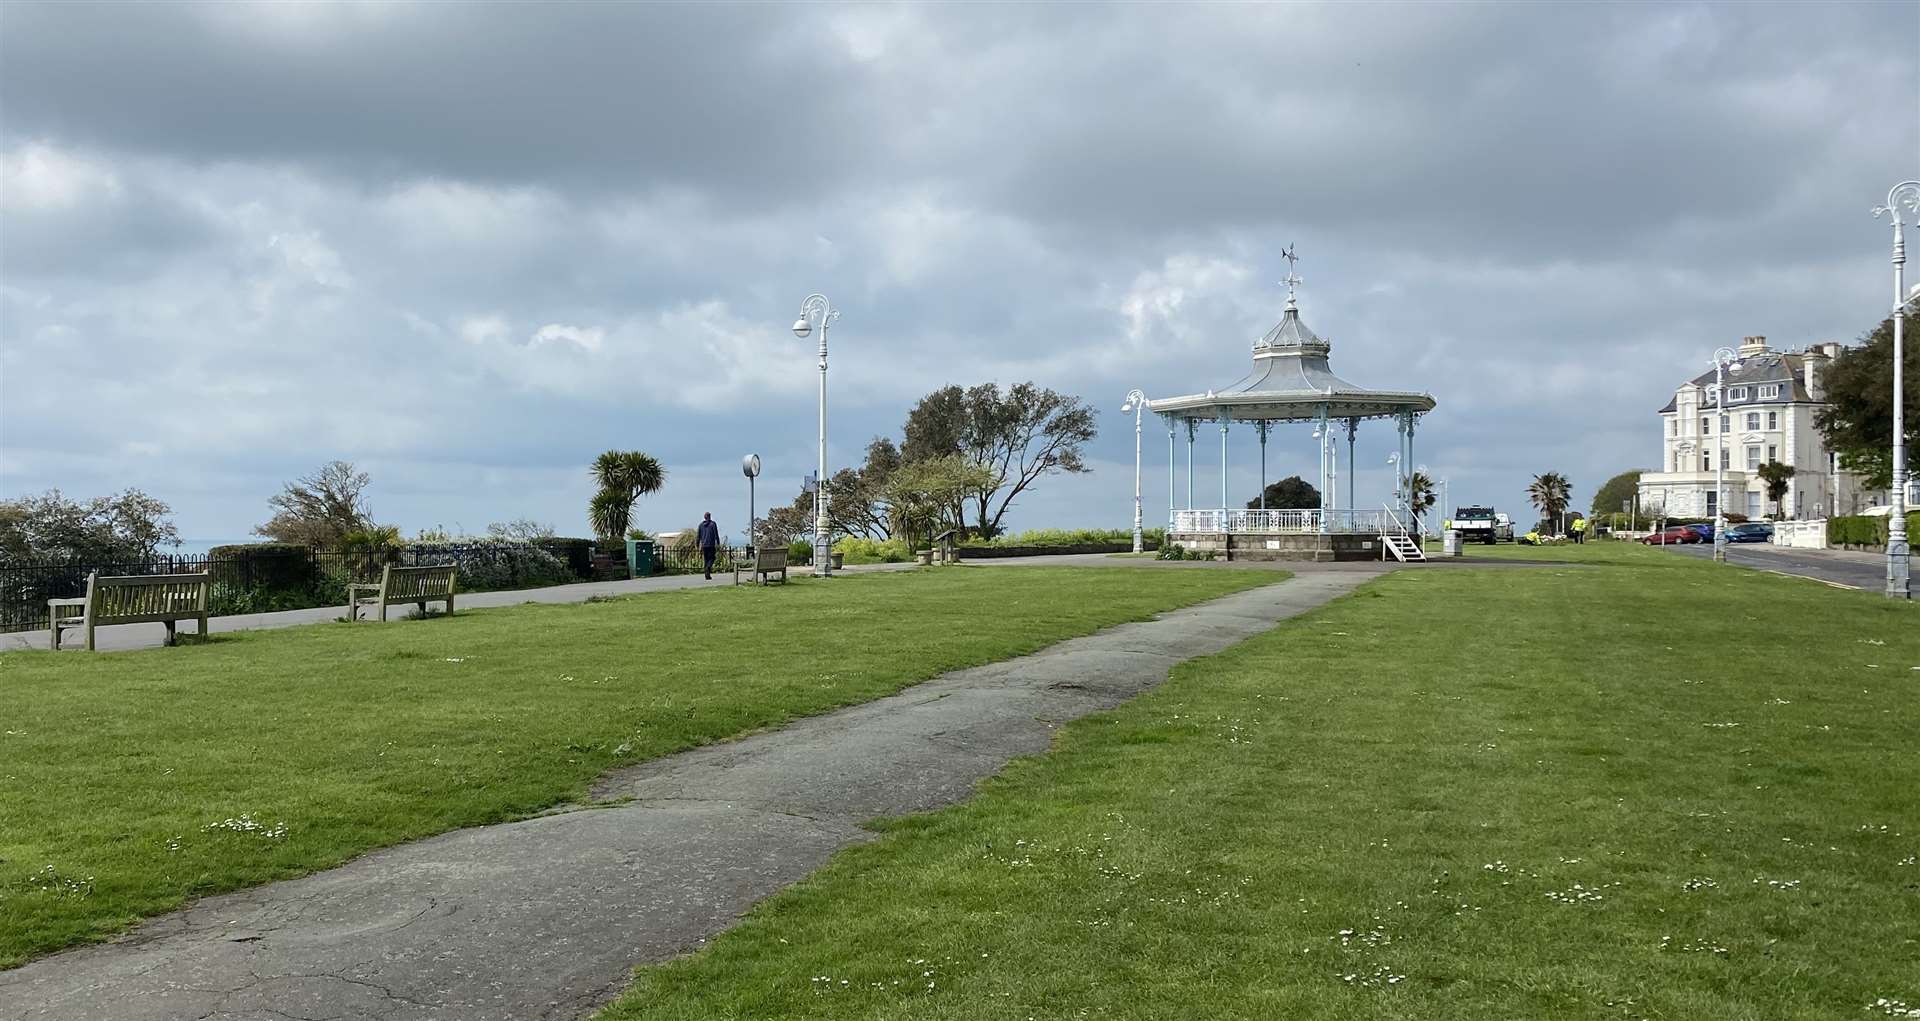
x=1412, y=515
x=1353, y=432
x=1223, y=461
x=1189, y=464
x=1262, y=426
x=1326, y=485
x=1170, y=473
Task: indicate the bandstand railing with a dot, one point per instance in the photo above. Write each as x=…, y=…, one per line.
x=1280, y=522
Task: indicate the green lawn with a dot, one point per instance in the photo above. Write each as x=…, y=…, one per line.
x=131, y=781
x=1649, y=788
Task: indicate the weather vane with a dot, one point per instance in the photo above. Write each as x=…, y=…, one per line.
x=1293, y=279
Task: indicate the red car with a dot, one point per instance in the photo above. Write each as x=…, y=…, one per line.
x=1678, y=535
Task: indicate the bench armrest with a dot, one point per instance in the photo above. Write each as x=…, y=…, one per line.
x=56, y=603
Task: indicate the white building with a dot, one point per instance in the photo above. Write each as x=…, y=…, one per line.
x=1767, y=416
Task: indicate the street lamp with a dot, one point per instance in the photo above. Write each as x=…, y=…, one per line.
x=1136, y=403
x=1723, y=359
x=1393, y=460
x=1903, y=199
x=815, y=311
x=750, y=467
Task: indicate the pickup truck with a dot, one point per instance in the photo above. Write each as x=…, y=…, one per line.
x=1482, y=524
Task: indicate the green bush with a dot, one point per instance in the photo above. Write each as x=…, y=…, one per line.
x=576, y=553
x=800, y=551
x=856, y=550
x=272, y=566
x=1150, y=537
x=1863, y=530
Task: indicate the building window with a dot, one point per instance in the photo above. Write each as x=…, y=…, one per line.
x=1704, y=430
x=1773, y=420
x=1713, y=503
x=1706, y=462
x=1772, y=453
x=1724, y=422
x=1753, y=457
x=1738, y=393
x=1753, y=420
x=1753, y=505
x=1674, y=427
x=1770, y=392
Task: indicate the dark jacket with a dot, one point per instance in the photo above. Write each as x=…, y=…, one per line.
x=709, y=534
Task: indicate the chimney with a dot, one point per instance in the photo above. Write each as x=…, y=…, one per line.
x=1750, y=346
x=1830, y=349
x=1807, y=364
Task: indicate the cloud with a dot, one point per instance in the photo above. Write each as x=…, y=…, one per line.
x=473, y=246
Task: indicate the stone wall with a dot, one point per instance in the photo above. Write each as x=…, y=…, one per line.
x=1239, y=546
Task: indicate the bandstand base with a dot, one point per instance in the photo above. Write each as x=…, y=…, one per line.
x=1327, y=547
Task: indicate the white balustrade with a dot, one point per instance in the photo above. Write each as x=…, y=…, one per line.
x=1279, y=522
x=1800, y=534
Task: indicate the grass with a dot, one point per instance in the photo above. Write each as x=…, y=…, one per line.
x=130, y=782
x=1649, y=788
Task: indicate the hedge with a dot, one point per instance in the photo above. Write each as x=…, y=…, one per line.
x=1864, y=530
x=267, y=566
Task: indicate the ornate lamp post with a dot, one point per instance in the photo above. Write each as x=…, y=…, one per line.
x=1903, y=199
x=1393, y=462
x=816, y=311
x=1136, y=403
x=1723, y=359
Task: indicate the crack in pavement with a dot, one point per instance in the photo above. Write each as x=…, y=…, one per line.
x=546, y=917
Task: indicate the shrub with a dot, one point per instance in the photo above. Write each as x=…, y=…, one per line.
x=576, y=553
x=856, y=550
x=1043, y=537
x=492, y=564
x=800, y=551
x=270, y=566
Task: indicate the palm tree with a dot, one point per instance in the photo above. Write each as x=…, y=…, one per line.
x=1421, y=496
x=1776, y=476
x=1550, y=492
x=623, y=477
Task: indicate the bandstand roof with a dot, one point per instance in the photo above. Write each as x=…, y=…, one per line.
x=1291, y=381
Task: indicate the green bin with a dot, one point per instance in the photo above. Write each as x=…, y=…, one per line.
x=639, y=558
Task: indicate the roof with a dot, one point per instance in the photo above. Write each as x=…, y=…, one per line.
x=1291, y=380
x=1781, y=367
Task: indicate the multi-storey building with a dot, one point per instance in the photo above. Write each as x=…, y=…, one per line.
x=1765, y=415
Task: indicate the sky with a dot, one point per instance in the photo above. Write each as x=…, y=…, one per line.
x=469, y=247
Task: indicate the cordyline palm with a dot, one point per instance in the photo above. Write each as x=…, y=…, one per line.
x=1420, y=495
x=623, y=477
x=1549, y=491
x=1776, y=476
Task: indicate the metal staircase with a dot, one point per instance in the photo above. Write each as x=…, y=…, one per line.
x=1395, y=539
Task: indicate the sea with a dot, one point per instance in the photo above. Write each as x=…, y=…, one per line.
x=198, y=547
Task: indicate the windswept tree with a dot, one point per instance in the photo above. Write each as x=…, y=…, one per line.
x=1290, y=493
x=126, y=528
x=1019, y=436
x=1622, y=488
x=622, y=476
x=1777, y=477
x=1550, y=492
x=320, y=509
x=920, y=496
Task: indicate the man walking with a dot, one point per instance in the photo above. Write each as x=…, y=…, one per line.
x=709, y=538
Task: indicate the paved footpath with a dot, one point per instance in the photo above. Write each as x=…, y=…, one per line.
x=545, y=918
x=1844, y=568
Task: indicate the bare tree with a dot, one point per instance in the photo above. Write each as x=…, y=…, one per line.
x=320, y=509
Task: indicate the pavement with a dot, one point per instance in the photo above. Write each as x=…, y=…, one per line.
x=1844, y=568
x=545, y=918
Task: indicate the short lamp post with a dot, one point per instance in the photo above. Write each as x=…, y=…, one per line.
x=1903, y=200
x=1136, y=403
x=750, y=467
x=1723, y=359
x=816, y=312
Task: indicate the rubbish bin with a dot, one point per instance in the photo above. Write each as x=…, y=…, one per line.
x=1450, y=543
x=639, y=558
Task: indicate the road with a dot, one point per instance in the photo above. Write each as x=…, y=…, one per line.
x=1835, y=567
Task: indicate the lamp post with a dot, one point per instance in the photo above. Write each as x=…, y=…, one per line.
x=1136, y=403
x=1393, y=461
x=750, y=467
x=1723, y=359
x=1904, y=198
x=815, y=311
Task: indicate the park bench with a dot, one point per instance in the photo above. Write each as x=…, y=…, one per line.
x=133, y=599
x=417, y=585
x=767, y=560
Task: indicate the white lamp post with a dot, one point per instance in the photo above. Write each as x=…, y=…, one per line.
x=1393, y=461
x=1136, y=403
x=815, y=311
x=1903, y=199
x=1723, y=359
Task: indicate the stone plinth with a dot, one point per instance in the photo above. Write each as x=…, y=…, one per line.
x=1262, y=546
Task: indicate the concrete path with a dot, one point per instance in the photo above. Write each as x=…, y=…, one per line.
x=1844, y=568
x=121, y=637
x=544, y=919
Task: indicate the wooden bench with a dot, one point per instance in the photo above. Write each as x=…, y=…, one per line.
x=767, y=560
x=133, y=599
x=417, y=585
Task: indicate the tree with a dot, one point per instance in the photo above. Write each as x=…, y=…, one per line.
x=1420, y=496
x=520, y=530
x=1550, y=491
x=1777, y=476
x=126, y=528
x=1020, y=437
x=1290, y=493
x=920, y=495
x=623, y=476
x=1857, y=419
x=1620, y=489
x=858, y=504
x=320, y=509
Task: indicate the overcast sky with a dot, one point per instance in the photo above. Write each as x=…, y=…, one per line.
x=469, y=247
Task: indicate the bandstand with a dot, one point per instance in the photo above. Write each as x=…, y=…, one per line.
x=1291, y=382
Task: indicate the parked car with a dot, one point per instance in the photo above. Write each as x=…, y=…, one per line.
x=1705, y=530
x=1678, y=535
x=1750, y=531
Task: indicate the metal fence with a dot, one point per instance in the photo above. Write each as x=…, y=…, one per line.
x=1281, y=522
